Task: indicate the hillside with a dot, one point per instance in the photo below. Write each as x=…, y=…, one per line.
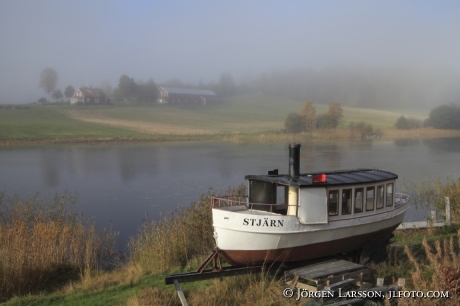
x=239, y=115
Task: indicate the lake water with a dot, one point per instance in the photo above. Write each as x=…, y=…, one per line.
x=121, y=185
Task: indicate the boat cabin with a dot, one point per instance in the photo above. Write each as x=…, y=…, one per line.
x=317, y=198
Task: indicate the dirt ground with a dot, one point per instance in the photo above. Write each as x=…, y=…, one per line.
x=138, y=126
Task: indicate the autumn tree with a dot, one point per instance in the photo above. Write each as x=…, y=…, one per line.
x=323, y=121
x=69, y=91
x=309, y=115
x=48, y=80
x=335, y=114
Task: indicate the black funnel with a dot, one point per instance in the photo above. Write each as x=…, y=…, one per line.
x=294, y=160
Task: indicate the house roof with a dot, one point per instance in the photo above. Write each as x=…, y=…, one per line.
x=88, y=91
x=333, y=178
x=188, y=91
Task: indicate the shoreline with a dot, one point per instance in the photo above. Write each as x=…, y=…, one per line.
x=339, y=135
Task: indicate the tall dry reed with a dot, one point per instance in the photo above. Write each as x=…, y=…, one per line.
x=43, y=242
x=439, y=272
x=178, y=237
x=431, y=192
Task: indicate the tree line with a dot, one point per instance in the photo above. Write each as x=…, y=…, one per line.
x=446, y=116
x=356, y=87
x=308, y=119
x=130, y=90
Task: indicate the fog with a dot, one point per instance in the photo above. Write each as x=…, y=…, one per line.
x=345, y=48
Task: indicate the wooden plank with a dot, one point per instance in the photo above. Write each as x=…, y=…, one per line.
x=331, y=267
x=303, y=286
x=357, y=274
x=341, y=284
x=322, y=270
x=420, y=224
x=295, y=281
x=327, y=273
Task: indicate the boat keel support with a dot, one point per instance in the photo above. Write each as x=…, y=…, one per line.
x=215, y=258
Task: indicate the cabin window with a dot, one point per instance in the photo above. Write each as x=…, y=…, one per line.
x=333, y=203
x=380, y=196
x=390, y=194
x=261, y=193
x=346, y=201
x=359, y=200
x=370, y=198
x=281, y=194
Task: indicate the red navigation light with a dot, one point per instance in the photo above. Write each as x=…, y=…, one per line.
x=319, y=178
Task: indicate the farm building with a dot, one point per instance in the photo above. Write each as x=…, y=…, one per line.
x=185, y=96
x=89, y=96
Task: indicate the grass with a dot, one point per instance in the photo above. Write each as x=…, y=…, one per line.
x=240, y=118
x=44, y=244
x=185, y=234
x=428, y=259
x=48, y=123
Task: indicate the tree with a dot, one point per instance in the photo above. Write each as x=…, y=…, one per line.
x=147, y=92
x=42, y=101
x=445, y=117
x=401, y=123
x=226, y=86
x=362, y=130
x=335, y=114
x=174, y=82
x=126, y=86
x=48, y=80
x=294, y=123
x=57, y=94
x=309, y=115
x=69, y=91
x=107, y=88
x=323, y=121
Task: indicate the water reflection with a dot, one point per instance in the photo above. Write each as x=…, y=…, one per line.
x=313, y=154
x=403, y=143
x=446, y=144
x=119, y=185
x=50, y=165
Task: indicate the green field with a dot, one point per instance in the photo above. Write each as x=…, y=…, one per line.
x=245, y=114
x=48, y=123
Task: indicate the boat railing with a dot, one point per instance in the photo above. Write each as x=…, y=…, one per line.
x=401, y=199
x=217, y=202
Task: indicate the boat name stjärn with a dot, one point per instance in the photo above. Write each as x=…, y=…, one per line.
x=264, y=222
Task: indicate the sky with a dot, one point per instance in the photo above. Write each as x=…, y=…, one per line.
x=89, y=42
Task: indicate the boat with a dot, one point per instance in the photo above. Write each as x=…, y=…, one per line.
x=298, y=217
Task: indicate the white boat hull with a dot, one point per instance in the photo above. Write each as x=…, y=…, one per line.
x=245, y=237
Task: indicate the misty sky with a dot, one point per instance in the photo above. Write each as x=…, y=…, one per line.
x=88, y=42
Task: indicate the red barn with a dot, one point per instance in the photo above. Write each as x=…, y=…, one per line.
x=185, y=96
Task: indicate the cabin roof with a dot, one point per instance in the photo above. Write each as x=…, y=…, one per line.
x=333, y=178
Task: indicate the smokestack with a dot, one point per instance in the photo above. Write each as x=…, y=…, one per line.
x=294, y=160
